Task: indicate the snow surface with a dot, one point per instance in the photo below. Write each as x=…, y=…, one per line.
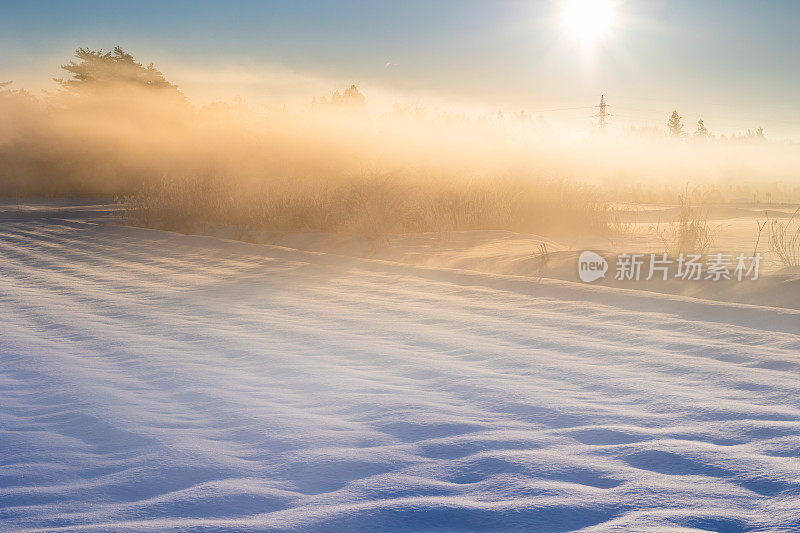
x=152, y=381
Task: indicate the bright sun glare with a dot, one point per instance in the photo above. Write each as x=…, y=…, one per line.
x=588, y=20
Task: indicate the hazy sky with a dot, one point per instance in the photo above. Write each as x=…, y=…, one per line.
x=736, y=63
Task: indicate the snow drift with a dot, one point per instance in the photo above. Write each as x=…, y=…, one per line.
x=152, y=381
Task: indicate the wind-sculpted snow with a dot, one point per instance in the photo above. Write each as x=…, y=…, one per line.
x=151, y=381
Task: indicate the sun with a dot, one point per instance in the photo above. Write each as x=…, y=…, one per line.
x=588, y=20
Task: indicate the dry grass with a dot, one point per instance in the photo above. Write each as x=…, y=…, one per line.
x=369, y=207
x=784, y=239
x=689, y=232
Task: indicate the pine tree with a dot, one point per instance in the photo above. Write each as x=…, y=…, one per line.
x=95, y=69
x=702, y=131
x=350, y=99
x=675, y=125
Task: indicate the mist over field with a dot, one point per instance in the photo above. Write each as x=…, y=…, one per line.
x=113, y=127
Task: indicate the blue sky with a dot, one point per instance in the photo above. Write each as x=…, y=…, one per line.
x=735, y=63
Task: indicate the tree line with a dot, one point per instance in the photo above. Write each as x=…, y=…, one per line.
x=676, y=129
x=95, y=70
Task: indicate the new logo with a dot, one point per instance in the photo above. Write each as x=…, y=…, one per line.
x=591, y=266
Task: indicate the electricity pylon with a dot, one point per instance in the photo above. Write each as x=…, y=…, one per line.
x=603, y=114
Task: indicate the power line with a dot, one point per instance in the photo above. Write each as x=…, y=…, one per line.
x=562, y=109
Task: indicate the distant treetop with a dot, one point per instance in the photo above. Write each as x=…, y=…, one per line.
x=97, y=69
x=350, y=99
